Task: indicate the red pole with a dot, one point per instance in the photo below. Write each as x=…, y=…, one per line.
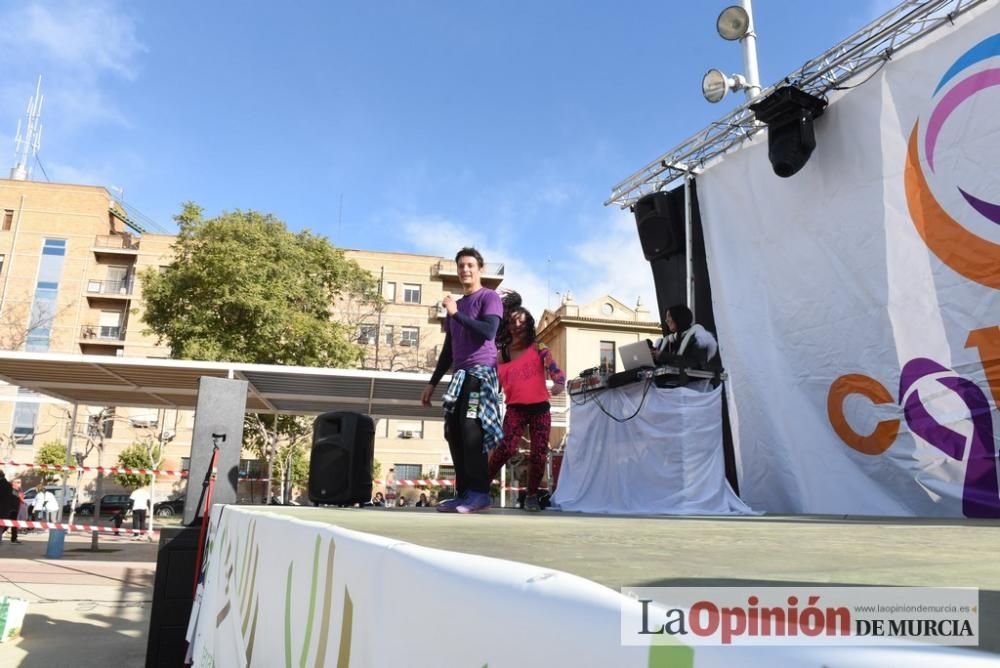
x=204, y=519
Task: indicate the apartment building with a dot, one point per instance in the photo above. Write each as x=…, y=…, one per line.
x=70, y=258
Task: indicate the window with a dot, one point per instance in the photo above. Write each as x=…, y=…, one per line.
x=408, y=471
x=185, y=463
x=43, y=307
x=2, y=258
x=387, y=332
x=389, y=292
x=251, y=468
x=607, y=364
x=111, y=326
x=117, y=281
x=409, y=336
x=367, y=333
x=8, y=219
x=411, y=293
x=25, y=417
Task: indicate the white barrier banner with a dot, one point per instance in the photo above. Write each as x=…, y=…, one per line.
x=284, y=592
x=858, y=301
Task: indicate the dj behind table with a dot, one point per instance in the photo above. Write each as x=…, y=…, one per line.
x=646, y=440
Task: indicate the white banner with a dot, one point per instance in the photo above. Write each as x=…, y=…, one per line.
x=284, y=592
x=858, y=302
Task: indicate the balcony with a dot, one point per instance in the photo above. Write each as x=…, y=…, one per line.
x=109, y=289
x=491, y=276
x=102, y=334
x=116, y=245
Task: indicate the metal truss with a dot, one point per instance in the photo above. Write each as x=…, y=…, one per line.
x=869, y=48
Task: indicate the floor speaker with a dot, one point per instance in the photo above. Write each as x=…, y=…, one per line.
x=340, y=466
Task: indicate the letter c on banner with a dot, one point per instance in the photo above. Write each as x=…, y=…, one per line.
x=855, y=383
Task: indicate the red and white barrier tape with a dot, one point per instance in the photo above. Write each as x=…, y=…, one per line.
x=30, y=524
x=112, y=469
x=101, y=469
x=418, y=483
x=441, y=483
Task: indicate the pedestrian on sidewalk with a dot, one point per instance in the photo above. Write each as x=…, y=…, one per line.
x=11, y=500
x=141, y=502
x=118, y=519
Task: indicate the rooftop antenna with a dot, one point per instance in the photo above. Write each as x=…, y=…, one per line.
x=26, y=146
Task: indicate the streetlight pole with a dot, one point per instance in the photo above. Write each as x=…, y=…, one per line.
x=749, y=43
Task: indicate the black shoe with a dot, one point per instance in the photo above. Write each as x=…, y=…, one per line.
x=16, y=542
x=531, y=504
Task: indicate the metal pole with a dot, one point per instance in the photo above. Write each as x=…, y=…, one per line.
x=749, y=43
x=69, y=462
x=688, y=259
x=378, y=323
x=271, y=452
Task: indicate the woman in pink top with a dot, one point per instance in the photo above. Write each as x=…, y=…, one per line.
x=522, y=365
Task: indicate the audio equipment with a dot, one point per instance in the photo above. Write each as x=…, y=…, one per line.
x=340, y=466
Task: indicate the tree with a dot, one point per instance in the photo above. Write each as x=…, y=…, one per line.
x=52, y=453
x=283, y=442
x=243, y=288
x=135, y=456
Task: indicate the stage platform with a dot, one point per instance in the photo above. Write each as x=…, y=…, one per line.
x=617, y=551
x=660, y=551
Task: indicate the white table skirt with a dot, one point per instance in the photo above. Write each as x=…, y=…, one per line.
x=667, y=460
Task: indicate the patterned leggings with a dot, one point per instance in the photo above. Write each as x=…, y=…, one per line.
x=514, y=423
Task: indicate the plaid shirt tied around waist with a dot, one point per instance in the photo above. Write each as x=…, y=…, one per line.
x=489, y=401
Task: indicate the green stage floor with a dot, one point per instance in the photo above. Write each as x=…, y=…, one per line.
x=711, y=551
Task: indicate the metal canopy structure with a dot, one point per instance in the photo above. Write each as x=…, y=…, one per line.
x=100, y=380
x=871, y=46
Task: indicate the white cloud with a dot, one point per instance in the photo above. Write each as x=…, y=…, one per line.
x=610, y=261
x=88, y=38
x=78, y=48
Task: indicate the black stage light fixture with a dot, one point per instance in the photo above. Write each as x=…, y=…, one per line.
x=789, y=113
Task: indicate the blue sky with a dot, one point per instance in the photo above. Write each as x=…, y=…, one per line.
x=437, y=124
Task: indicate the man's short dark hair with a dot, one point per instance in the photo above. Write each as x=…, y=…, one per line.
x=468, y=251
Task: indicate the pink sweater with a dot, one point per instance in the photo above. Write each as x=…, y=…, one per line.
x=523, y=379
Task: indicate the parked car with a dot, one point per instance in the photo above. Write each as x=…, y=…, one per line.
x=110, y=504
x=168, y=508
x=29, y=495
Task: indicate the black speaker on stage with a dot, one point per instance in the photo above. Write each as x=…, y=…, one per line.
x=659, y=217
x=340, y=466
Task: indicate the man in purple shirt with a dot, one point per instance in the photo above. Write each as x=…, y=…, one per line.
x=471, y=402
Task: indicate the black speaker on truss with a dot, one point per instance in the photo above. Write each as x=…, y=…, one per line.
x=659, y=218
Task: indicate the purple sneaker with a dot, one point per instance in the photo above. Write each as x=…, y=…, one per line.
x=475, y=502
x=451, y=505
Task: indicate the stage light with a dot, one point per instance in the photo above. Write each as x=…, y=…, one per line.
x=733, y=23
x=789, y=113
x=714, y=85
